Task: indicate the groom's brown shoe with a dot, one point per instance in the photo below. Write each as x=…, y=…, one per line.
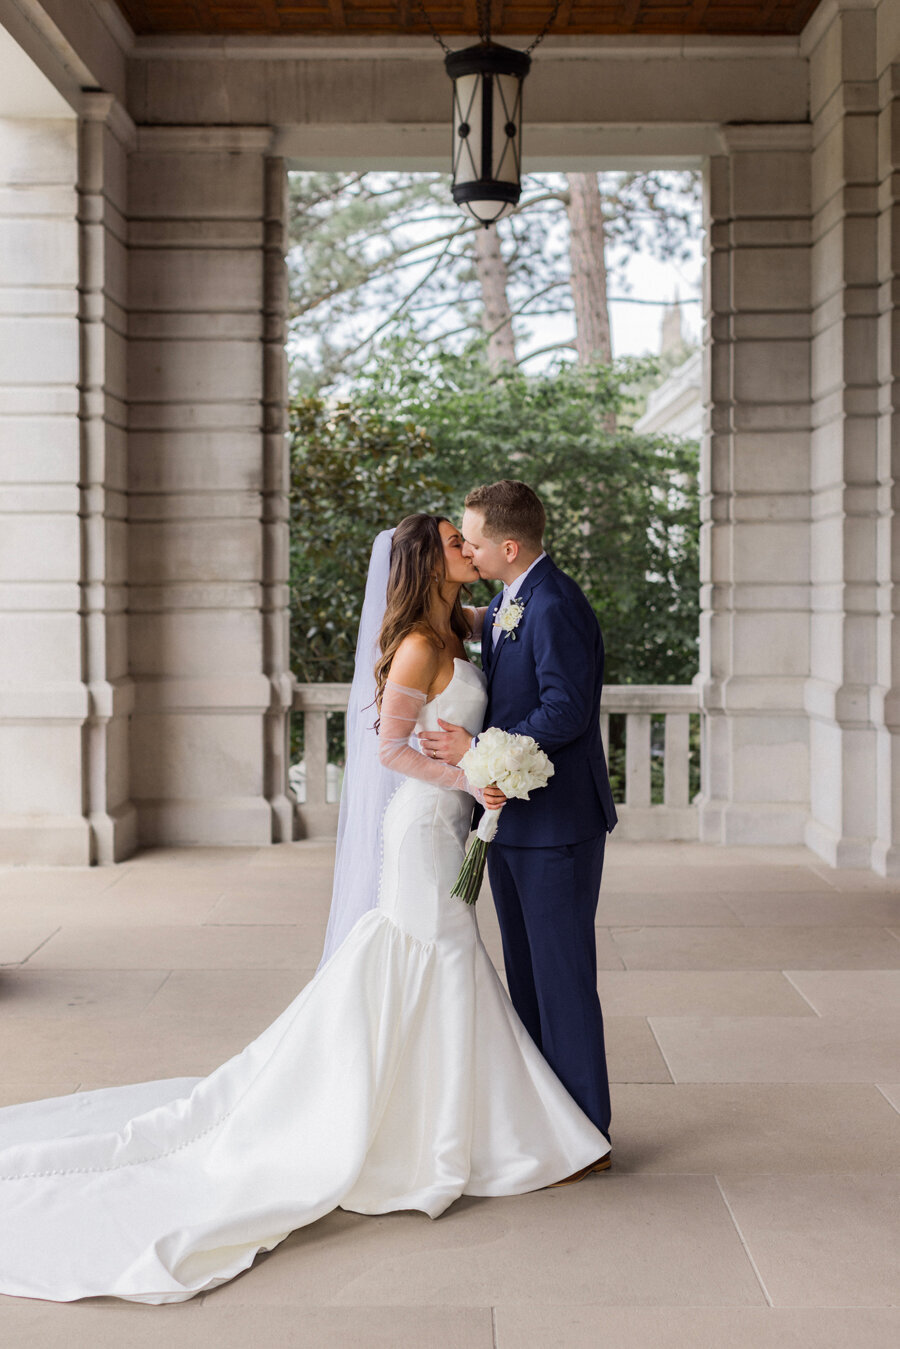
x=602, y=1164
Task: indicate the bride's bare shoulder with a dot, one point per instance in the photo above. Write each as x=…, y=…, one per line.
x=415, y=662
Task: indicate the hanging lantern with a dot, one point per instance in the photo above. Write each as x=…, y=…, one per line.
x=487, y=117
x=487, y=128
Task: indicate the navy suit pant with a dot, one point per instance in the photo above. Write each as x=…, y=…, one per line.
x=546, y=901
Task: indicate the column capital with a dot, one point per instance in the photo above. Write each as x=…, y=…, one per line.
x=824, y=16
x=96, y=106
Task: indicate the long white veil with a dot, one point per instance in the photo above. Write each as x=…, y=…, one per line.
x=367, y=787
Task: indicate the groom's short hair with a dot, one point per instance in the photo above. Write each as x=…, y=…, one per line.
x=511, y=510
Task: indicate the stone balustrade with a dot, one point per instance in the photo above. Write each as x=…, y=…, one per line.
x=640, y=817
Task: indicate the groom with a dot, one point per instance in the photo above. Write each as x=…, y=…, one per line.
x=542, y=653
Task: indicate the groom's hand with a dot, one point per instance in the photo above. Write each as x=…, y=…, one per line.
x=448, y=745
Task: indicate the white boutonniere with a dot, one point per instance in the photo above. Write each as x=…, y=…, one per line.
x=508, y=619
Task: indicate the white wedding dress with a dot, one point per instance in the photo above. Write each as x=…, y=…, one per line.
x=400, y=1077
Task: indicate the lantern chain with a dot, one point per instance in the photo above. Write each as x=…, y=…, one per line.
x=434, y=32
x=546, y=28
x=484, y=24
x=484, y=19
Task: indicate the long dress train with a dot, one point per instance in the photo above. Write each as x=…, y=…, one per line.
x=400, y=1077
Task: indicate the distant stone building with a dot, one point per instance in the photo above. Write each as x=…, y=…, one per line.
x=675, y=407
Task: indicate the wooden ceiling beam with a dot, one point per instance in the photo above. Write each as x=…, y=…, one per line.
x=640, y=17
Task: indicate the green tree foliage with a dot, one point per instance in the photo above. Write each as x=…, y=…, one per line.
x=354, y=471
x=375, y=254
x=622, y=508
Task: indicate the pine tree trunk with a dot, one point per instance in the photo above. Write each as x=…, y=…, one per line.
x=587, y=257
x=495, y=320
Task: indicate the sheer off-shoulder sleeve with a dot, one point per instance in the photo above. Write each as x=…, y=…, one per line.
x=400, y=709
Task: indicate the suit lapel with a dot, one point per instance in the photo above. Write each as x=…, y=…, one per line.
x=541, y=571
x=487, y=635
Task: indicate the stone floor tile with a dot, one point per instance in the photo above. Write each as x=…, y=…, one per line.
x=756, y=948
x=710, y=878
x=669, y=909
x=65, y=993
x=850, y=992
x=608, y=955
x=298, y=908
x=632, y=1054
x=42, y=883
x=670, y=855
x=115, y=908
x=263, y=947
x=820, y=1241
x=110, y=1050
x=99, y=1323
x=162, y=881
x=211, y=993
x=102, y=1323
x=17, y=1092
x=671, y=1241
x=227, y=858
x=589, y=1327
x=851, y=879
x=699, y=993
x=753, y=1127
x=302, y=852
x=891, y=1092
x=799, y=909
x=19, y=942
x=778, y=1049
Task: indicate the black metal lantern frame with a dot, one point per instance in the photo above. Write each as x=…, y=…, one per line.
x=487, y=118
x=487, y=128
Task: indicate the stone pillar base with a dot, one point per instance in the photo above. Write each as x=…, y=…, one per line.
x=236, y=822
x=885, y=860
x=114, y=835
x=45, y=840
x=727, y=822
x=835, y=850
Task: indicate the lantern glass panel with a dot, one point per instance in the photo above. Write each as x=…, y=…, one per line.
x=506, y=107
x=486, y=212
x=467, y=112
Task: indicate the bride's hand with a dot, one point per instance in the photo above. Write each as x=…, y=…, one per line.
x=493, y=797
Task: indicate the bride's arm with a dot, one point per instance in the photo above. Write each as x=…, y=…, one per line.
x=475, y=619
x=405, y=694
x=400, y=709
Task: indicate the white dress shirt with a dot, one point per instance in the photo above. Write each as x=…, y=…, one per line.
x=511, y=591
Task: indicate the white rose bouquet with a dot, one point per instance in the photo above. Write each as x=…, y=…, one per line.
x=517, y=765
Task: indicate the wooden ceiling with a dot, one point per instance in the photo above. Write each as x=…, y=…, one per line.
x=352, y=17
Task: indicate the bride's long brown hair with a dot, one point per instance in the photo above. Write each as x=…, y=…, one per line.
x=417, y=565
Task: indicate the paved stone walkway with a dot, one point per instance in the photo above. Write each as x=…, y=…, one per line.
x=751, y=999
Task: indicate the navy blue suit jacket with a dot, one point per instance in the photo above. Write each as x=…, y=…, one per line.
x=547, y=683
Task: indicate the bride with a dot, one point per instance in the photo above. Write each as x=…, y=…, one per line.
x=400, y=1077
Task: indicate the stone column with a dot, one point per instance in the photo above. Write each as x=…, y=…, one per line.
x=844, y=620
x=885, y=702
x=754, y=653
x=63, y=658
x=106, y=136
x=275, y=515
x=42, y=693
x=207, y=534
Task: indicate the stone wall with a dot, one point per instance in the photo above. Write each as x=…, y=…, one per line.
x=207, y=554
x=848, y=693
x=144, y=673
x=754, y=482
